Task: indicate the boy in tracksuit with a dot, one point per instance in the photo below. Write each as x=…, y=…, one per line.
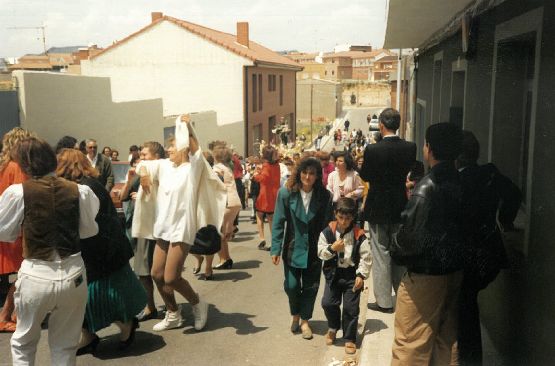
x=346, y=254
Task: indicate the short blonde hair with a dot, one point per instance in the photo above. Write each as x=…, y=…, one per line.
x=10, y=141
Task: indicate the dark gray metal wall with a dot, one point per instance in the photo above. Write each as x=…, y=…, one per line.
x=9, y=111
x=516, y=309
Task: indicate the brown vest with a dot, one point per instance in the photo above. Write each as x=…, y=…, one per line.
x=51, y=218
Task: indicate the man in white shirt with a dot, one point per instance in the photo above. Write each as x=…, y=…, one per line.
x=54, y=214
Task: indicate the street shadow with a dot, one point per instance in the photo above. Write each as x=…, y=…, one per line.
x=244, y=219
x=318, y=326
x=144, y=343
x=241, y=233
x=232, y=276
x=240, y=239
x=373, y=326
x=241, y=322
x=247, y=264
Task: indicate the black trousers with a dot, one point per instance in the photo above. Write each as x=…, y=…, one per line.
x=469, y=337
x=240, y=191
x=340, y=289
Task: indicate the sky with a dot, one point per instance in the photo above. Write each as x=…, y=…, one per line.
x=303, y=25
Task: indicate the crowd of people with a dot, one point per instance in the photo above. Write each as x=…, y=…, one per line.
x=431, y=239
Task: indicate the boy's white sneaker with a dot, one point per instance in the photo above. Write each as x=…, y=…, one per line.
x=173, y=319
x=200, y=313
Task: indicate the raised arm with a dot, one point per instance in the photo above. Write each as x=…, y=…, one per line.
x=193, y=141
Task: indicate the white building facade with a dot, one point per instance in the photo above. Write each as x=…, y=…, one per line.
x=189, y=72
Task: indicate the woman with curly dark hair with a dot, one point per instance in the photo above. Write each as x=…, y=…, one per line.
x=345, y=181
x=303, y=206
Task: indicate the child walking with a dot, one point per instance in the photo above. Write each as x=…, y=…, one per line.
x=345, y=251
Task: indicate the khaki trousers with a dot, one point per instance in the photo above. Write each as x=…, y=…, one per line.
x=426, y=319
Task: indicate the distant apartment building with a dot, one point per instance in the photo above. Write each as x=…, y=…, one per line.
x=313, y=67
x=61, y=59
x=384, y=65
x=338, y=66
x=194, y=68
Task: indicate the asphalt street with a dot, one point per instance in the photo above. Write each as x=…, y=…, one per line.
x=248, y=322
x=357, y=118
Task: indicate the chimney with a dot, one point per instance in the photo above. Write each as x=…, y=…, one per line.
x=155, y=15
x=243, y=33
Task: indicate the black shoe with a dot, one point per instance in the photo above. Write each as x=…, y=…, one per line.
x=89, y=348
x=228, y=264
x=235, y=230
x=206, y=278
x=125, y=344
x=374, y=306
x=142, y=316
x=262, y=245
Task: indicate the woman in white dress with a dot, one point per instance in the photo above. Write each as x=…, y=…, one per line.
x=222, y=159
x=188, y=196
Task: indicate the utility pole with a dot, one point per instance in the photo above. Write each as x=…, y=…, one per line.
x=311, y=95
x=42, y=28
x=399, y=81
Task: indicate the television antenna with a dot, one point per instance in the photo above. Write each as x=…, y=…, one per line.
x=42, y=28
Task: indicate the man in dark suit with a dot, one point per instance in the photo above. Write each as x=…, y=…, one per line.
x=385, y=168
x=101, y=163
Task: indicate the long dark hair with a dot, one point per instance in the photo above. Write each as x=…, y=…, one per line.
x=35, y=157
x=294, y=184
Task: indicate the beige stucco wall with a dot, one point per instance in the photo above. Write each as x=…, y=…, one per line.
x=54, y=105
x=369, y=94
x=326, y=99
x=208, y=130
x=326, y=104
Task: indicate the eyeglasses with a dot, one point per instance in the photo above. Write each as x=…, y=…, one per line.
x=92, y=147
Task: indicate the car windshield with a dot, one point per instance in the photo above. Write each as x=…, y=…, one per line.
x=120, y=172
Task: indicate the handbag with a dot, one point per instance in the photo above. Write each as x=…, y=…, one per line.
x=207, y=241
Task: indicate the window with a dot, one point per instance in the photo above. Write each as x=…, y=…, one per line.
x=436, y=88
x=326, y=72
x=271, y=83
x=281, y=90
x=254, y=94
x=259, y=92
x=332, y=72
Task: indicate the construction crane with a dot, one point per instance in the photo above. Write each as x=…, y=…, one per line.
x=42, y=28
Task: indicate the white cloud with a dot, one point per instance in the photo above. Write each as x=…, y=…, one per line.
x=288, y=24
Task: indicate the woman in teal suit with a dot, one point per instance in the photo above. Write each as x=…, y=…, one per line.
x=305, y=205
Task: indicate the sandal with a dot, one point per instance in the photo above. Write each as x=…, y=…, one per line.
x=350, y=348
x=7, y=327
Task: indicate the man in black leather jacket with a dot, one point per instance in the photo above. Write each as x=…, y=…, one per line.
x=430, y=243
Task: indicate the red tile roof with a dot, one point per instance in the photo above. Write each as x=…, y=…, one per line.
x=255, y=52
x=358, y=54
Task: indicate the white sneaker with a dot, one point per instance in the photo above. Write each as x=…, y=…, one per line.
x=200, y=313
x=173, y=319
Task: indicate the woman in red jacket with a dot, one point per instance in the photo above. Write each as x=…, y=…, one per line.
x=268, y=177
